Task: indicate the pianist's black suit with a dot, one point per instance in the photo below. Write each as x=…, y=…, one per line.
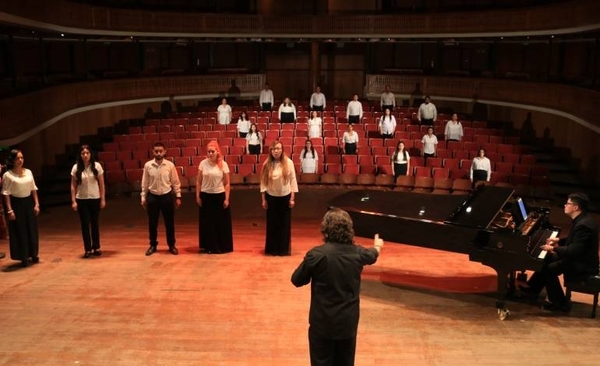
x=575, y=257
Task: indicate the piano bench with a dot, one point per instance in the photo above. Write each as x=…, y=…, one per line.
x=590, y=286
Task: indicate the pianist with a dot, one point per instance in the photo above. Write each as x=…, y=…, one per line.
x=575, y=256
x=334, y=269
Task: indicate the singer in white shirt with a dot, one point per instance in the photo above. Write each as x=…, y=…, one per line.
x=427, y=112
x=266, y=100
x=317, y=100
x=388, y=100
x=354, y=110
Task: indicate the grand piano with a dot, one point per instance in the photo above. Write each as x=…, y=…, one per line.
x=491, y=225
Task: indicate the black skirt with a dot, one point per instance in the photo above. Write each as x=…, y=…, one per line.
x=287, y=117
x=279, y=225
x=353, y=119
x=400, y=169
x=350, y=148
x=23, y=232
x=215, y=224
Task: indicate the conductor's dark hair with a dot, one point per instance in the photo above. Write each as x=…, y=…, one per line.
x=337, y=227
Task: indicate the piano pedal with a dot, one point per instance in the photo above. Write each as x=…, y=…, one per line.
x=503, y=313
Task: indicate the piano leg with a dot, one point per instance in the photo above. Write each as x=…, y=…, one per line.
x=505, y=287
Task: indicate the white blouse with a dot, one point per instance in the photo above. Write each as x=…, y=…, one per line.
x=481, y=164
x=18, y=186
x=454, y=131
x=350, y=138
x=314, y=127
x=243, y=125
x=253, y=138
x=212, y=176
x=429, y=143
x=224, y=114
x=89, y=187
x=277, y=186
x=287, y=109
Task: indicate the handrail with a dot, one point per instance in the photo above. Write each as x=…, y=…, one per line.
x=70, y=17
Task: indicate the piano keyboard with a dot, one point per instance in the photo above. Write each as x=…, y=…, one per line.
x=552, y=235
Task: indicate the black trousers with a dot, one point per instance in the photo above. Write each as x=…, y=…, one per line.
x=425, y=156
x=350, y=149
x=548, y=277
x=399, y=169
x=215, y=224
x=254, y=149
x=89, y=212
x=155, y=205
x=331, y=352
x=427, y=121
x=243, y=134
x=318, y=108
x=266, y=106
x=287, y=117
x=353, y=119
x=23, y=231
x=387, y=106
x=279, y=225
x=479, y=175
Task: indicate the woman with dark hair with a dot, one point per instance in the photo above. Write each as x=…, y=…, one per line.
x=22, y=206
x=481, y=168
x=278, y=187
x=212, y=196
x=387, y=125
x=253, y=141
x=315, y=125
x=308, y=158
x=400, y=161
x=243, y=124
x=287, y=111
x=87, y=198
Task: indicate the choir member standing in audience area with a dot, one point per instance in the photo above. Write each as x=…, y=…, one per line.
x=317, y=100
x=388, y=100
x=350, y=141
x=212, y=196
x=287, y=111
x=354, y=110
x=160, y=186
x=400, y=161
x=481, y=168
x=430, y=143
x=454, y=130
x=88, y=198
x=22, y=206
x=243, y=125
x=334, y=271
x=265, y=99
x=308, y=158
x=278, y=188
x=427, y=113
x=315, y=125
x=387, y=125
x=224, y=111
x=254, y=141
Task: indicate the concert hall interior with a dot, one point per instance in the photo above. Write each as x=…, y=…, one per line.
x=522, y=78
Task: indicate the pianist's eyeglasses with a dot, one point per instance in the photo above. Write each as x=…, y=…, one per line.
x=569, y=203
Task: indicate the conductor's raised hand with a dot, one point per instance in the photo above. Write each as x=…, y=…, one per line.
x=377, y=243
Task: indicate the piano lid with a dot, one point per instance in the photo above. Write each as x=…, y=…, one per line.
x=399, y=204
x=476, y=210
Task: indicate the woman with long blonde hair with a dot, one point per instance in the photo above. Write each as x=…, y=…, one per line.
x=212, y=196
x=278, y=188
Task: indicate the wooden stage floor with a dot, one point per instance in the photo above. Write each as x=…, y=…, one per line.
x=419, y=306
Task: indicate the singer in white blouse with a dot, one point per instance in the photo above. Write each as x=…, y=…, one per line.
x=481, y=168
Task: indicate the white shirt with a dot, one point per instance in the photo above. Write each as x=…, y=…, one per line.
x=350, y=138
x=481, y=164
x=314, y=127
x=18, y=186
x=278, y=187
x=253, y=138
x=388, y=99
x=160, y=179
x=266, y=96
x=89, y=187
x=308, y=163
x=317, y=99
x=454, y=131
x=287, y=109
x=427, y=111
x=224, y=114
x=387, y=126
x=400, y=158
x=212, y=176
x=243, y=125
x=354, y=108
x=429, y=143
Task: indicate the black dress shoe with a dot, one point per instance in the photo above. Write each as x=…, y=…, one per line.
x=87, y=254
x=24, y=263
x=560, y=306
x=97, y=252
x=173, y=250
x=35, y=259
x=151, y=250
